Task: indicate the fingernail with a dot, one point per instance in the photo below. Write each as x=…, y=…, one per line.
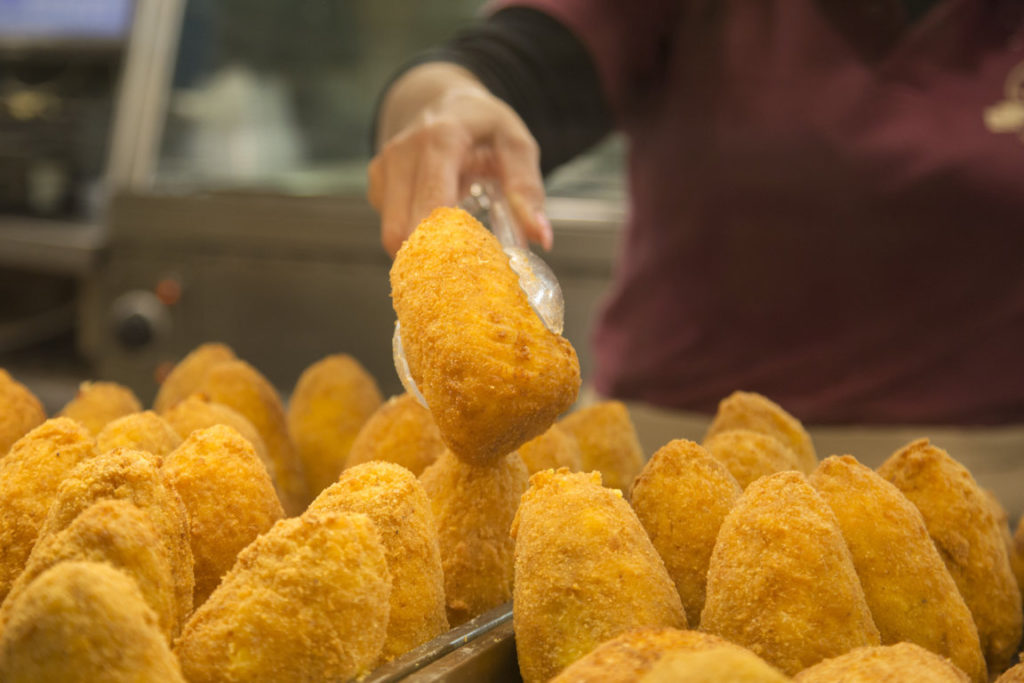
x=547, y=235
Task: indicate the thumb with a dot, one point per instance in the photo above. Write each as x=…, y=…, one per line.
x=518, y=160
x=532, y=217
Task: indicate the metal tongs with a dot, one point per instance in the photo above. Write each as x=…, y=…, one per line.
x=486, y=202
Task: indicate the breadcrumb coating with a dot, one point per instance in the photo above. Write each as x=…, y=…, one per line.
x=585, y=572
x=20, y=411
x=629, y=655
x=681, y=497
x=98, y=403
x=781, y=581
x=186, y=376
x=748, y=410
x=397, y=503
x=896, y=662
x=473, y=508
x=306, y=601
x=608, y=442
x=911, y=594
x=134, y=476
x=29, y=476
x=961, y=523
x=400, y=431
x=554, y=449
x=199, y=412
x=750, y=455
x=145, y=431
x=81, y=622
x=332, y=400
x=492, y=375
x=724, y=663
x=121, y=534
x=229, y=498
x=242, y=387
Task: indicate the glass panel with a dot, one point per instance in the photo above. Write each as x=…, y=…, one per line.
x=280, y=95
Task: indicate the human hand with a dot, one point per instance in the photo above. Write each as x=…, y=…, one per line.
x=440, y=130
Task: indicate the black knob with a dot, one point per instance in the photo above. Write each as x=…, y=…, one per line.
x=138, y=319
x=134, y=331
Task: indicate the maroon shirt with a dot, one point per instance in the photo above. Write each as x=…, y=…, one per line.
x=819, y=211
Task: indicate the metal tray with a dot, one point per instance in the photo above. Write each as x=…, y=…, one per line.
x=482, y=649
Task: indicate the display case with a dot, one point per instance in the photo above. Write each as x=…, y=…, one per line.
x=239, y=167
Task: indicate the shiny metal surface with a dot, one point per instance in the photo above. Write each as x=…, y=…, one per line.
x=490, y=657
x=412, y=664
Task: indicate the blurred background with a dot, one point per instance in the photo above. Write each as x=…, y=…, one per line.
x=181, y=171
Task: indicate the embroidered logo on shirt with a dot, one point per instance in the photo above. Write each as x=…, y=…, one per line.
x=1008, y=115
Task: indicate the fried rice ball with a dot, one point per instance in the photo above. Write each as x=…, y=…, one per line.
x=20, y=411
x=199, y=412
x=332, y=400
x=397, y=503
x=681, y=497
x=492, y=374
x=84, y=622
x=306, y=601
x=400, y=431
x=1006, y=533
x=187, y=375
x=29, y=476
x=1015, y=674
x=473, y=508
x=629, y=655
x=911, y=594
x=98, y=403
x=965, y=531
x=748, y=410
x=134, y=476
x=608, y=442
x=120, y=534
x=781, y=581
x=750, y=455
x=896, y=662
x=552, y=450
x=229, y=498
x=1017, y=554
x=241, y=386
x=145, y=431
x=723, y=663
x=585, y=571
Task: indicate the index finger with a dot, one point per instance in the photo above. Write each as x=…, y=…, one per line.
x=438, y=171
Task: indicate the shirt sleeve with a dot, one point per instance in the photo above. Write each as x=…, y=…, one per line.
x=628, y=42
